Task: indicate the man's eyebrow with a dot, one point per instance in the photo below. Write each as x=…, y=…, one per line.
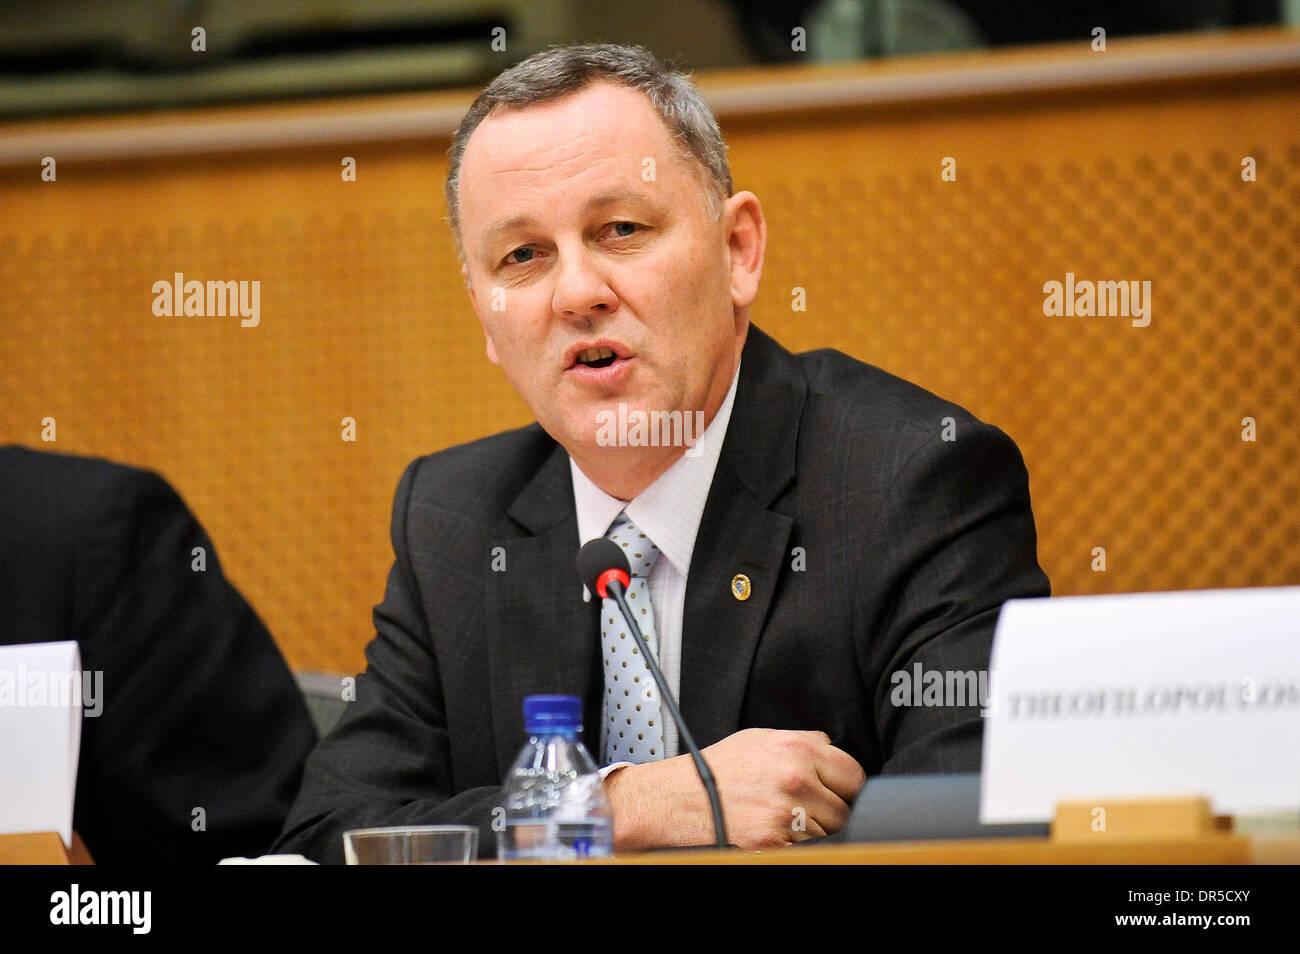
x=614, y=196
x=505, y=225
x=598, y=201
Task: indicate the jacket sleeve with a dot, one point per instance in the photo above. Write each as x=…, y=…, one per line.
x=388, y=759
x=197, y=751
x=964, y=532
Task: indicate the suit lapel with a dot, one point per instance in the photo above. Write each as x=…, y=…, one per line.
x=740, y=535
x=720, y=632
x=541, y=635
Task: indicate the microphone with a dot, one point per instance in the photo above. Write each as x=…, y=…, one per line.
x=604, y=569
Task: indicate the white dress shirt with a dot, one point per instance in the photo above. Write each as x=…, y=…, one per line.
x=668, y=512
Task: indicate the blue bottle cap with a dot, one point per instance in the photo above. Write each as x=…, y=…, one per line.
x=546, y=714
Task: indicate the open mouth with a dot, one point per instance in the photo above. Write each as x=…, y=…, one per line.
x=601, y=363
x=596, y=358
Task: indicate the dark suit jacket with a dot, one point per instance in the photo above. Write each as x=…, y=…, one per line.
x=199, y=708
x=911, y=545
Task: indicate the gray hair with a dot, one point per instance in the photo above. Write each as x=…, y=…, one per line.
x=561, y=70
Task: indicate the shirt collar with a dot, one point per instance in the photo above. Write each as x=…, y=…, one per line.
x=669, y=510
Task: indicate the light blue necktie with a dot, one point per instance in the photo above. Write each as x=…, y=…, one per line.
x=633, y=721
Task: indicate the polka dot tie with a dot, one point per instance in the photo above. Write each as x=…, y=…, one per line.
x=633, y=721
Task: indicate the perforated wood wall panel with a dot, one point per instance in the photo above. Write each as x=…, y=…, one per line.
x=1133, y=436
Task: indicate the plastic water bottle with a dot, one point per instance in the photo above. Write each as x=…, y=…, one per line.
x=555, y=802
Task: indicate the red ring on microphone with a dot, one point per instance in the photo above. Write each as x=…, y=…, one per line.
x=613, y=573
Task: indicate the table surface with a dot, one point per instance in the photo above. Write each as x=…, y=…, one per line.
x=1210, y=849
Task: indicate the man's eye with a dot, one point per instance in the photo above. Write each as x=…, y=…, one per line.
x=519, y=256
x=624, y=229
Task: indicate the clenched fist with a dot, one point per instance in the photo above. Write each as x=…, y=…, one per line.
x=776, y=786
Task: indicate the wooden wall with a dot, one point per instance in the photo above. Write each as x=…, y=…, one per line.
x=1132, y=435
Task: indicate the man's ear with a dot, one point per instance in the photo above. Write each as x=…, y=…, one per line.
x=747, y=242
x=473, y=300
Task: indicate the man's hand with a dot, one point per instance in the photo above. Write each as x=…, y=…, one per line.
x=776, y=786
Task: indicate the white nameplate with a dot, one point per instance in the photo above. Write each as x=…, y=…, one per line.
x=42, y=699
x=1146, y=695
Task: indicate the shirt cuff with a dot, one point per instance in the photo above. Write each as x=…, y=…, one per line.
x=607, y=770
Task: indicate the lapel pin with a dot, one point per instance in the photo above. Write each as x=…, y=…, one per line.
x=740, y=588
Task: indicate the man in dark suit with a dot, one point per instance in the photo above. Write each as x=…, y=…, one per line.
x=832, y=526
x=197, y=752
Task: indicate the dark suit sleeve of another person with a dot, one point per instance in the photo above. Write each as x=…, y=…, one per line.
x=962, y=538
x=388, y=761
x=198, y=750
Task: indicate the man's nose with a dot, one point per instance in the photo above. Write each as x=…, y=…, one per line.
x=581, y=291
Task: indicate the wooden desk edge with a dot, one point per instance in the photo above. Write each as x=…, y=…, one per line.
x=1212, y=849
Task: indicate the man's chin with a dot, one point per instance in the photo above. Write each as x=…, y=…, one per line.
x=602, y=433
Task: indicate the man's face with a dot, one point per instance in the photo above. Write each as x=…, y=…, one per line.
x=583, y=229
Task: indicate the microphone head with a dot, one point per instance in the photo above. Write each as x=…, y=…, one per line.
x=598, y=557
